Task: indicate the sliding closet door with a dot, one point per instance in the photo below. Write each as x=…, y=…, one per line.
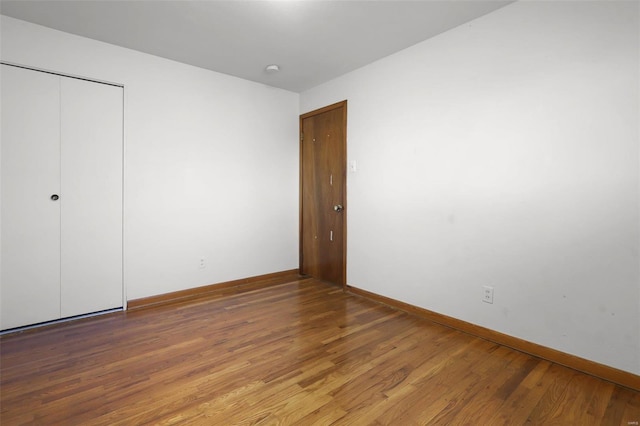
x=30, y=177
x=91, y=219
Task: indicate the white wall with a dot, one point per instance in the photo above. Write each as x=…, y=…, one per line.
x=210, y=162
x=505, y=153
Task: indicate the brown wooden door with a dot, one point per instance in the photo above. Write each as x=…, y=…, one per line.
x=323, y=148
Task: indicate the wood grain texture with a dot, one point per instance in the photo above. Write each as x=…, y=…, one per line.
x=583, y=365
x=298, y=352
x=193, y=293
x=323, y=168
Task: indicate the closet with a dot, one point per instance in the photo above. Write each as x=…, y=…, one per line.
x=61, y=168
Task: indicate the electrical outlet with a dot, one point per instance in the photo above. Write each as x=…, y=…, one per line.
x=487, y=294
x=203, y=264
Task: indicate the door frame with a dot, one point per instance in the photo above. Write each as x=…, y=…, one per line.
x=343, y=105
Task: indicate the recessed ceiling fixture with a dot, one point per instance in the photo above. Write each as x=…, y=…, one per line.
x=273, y=68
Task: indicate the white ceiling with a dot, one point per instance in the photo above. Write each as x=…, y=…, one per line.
x=312, y=41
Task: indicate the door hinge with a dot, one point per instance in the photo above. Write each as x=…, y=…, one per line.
x=301, y=136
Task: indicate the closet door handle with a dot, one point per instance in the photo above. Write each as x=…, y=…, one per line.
x=54, y=197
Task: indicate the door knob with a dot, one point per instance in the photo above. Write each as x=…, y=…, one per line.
x=54, y=197
x=338, y=207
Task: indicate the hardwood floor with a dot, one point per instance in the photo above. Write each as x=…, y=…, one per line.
x=301, y=352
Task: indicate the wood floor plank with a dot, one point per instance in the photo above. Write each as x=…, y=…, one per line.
x=521, y=402
x=294, y=352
